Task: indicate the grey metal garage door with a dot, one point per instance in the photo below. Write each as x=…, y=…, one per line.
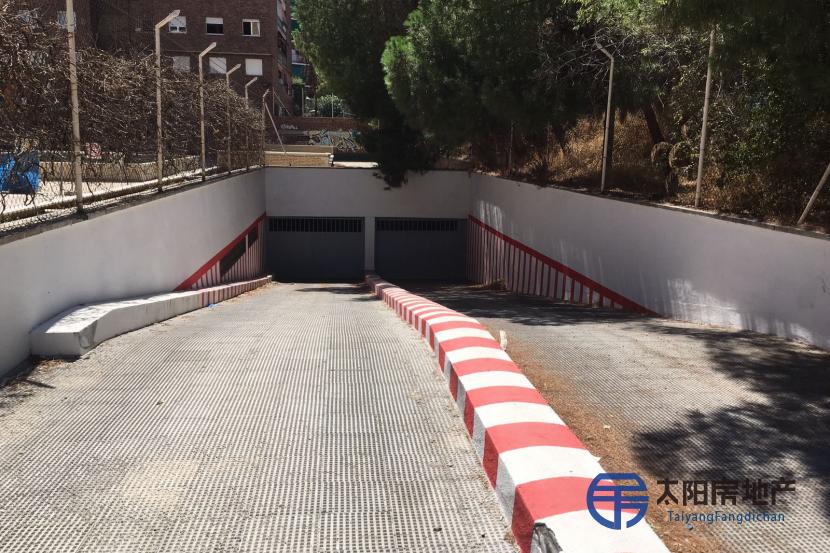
x=427, y=249
x=310, y=249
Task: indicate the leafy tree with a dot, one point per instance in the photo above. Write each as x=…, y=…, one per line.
x=791, y=37
x=345, y=39
x=432, y=77
x=464, y=71
x=330, y=105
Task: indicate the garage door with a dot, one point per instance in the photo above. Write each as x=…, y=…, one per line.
x=429, y=249
x=311, y=249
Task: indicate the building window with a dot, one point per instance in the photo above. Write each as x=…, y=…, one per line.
x=218, y=65
x=253, y=67
x=250, y=27
x=214, y=25
x=181, y=63
x=178, y=25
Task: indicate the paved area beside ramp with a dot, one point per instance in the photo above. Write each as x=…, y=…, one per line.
x=689, y=401
x=294, y=418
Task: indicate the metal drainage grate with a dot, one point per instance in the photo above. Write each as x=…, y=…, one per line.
x=315, y=224
x=417, y=225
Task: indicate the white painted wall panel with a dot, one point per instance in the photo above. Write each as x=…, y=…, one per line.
x=683, y=265
x=357, y=193
x=144, y=249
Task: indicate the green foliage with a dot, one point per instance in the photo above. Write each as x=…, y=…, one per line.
x=432, y=78
x=345, y=40
x=399, y=149
x=791, y=36
x=331, y=106
x=464, y=71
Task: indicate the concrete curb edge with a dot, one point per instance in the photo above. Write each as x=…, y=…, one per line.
x=80, y=329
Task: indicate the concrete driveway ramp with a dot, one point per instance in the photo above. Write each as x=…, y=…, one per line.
x=304, y=418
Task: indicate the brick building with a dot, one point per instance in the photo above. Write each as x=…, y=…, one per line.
x=55, y=11
x=253, y=33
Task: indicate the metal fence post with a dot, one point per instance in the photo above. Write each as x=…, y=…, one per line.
x=202, y=54
x=814, y=197
x=704, y=128
x=248, y=131
x=264, y=111
x=228, y=82
x=159, y=122
x=76, y=117
x=607, y=143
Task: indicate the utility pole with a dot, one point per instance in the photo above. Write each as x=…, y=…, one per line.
x=202, y=54
x=159, y=131
x=705, y=126
x=76, y=116
x=608, y=141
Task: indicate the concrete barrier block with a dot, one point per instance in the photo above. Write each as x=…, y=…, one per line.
x=80, y=329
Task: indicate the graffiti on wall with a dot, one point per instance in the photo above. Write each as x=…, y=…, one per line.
x=344, y=141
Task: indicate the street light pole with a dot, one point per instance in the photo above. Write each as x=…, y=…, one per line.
x=202, y=54
x=607, y=146
x=76, y=116
x=228, y=81
x=159, y=132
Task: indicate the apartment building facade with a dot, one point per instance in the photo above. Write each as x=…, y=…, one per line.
x=254, y=34
x=55, y=11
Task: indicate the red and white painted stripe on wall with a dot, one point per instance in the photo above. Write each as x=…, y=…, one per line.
x=242, y=259
x=537, y=466
x=494, y=256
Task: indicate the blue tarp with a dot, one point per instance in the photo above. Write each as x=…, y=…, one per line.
x=19, y=173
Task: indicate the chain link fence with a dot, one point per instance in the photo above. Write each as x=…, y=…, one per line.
x=118, y=128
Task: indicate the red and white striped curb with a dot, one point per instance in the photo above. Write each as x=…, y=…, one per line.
x=224, y=292
x=537, y=466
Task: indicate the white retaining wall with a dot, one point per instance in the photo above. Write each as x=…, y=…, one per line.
x=145, y=249
x=679, y=264
x=682, y=265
